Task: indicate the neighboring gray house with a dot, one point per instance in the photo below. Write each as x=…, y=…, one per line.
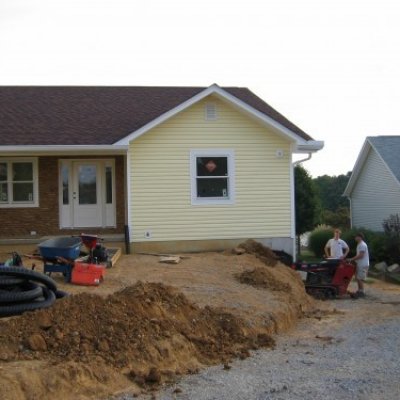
x=374, y=186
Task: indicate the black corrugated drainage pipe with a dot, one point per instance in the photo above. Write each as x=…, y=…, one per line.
x=24, y=290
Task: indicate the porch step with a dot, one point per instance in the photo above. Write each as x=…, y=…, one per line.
x=33, y=240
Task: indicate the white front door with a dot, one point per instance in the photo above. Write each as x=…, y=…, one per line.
x=87, y=193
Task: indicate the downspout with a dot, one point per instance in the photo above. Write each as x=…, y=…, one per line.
x=127, y=188
x=294, y=164
x=303, y=160
x=351, y=212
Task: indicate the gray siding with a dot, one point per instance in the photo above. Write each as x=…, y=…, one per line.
x=376, y=194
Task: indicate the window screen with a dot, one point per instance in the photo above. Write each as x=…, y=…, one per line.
x=212, y=177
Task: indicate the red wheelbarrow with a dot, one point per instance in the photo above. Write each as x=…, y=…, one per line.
x=327, y=279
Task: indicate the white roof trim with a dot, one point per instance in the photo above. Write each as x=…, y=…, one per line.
x=357, y=168
x=360, y=164
x=384, y=162
x=224, y=95
x=63, y=149
x=216, y=90
x=163, y=117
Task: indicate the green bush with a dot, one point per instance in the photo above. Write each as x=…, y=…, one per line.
x=381, y=246
x=378, y=248
x=318, y=239
x=376, y=242
x=391, y=227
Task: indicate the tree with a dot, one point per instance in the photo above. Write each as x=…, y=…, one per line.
x=307, y=203
x=338, y=219
x=335, y=208
x=330, y=190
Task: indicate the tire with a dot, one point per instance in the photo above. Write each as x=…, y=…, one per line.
x=330, y=294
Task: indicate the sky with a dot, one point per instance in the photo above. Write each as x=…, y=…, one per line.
x=331, y=67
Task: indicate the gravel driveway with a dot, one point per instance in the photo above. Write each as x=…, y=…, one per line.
x=352, y=353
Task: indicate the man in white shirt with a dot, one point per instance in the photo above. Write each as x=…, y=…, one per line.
x=362, y=260
x=336, y=247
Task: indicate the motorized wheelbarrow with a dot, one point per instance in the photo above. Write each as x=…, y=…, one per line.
x=327, y=279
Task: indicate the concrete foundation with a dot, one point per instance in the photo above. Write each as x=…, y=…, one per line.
x=194, y=246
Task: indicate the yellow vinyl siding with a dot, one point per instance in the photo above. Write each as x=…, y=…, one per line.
x=161, y=182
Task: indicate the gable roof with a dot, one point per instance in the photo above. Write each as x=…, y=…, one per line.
x=71, y=115
x=387, y=148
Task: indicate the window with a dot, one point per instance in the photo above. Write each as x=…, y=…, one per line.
x=87, y=184
x=18, y=183
x=65, y=184
x=212, y=173
x=109, y=185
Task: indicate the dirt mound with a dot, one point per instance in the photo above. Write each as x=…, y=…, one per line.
x=262, y=252
x=149, y=329
x=264, y=278
x=90, y=346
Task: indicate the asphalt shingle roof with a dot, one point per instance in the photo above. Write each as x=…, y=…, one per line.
x=72, y=115
x=389, y=149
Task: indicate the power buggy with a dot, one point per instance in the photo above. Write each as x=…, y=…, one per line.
x=327, y=279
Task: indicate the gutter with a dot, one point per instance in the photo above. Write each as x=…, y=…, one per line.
x=310, y=146
x=63, y=149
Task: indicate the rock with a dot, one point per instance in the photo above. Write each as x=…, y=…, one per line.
x=244, y=354
x=153, y=376
x=137, y=376
x=170, y=260
x=238, y=251
x=59, y=335
x=265, y=340
x=163, y=350
x=103, y=346
x=394, y=268
x=44, y=321
x=36, y=342
x=382, y=266
x=86, y=347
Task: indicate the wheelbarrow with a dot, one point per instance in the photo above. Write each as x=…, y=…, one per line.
x=327, y=279
x=59, y=254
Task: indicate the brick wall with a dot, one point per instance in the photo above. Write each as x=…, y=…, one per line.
x=19, y=222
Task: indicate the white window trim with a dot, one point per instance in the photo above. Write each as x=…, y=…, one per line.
x=20, y=204
x=230, y=154
x=103, y=162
